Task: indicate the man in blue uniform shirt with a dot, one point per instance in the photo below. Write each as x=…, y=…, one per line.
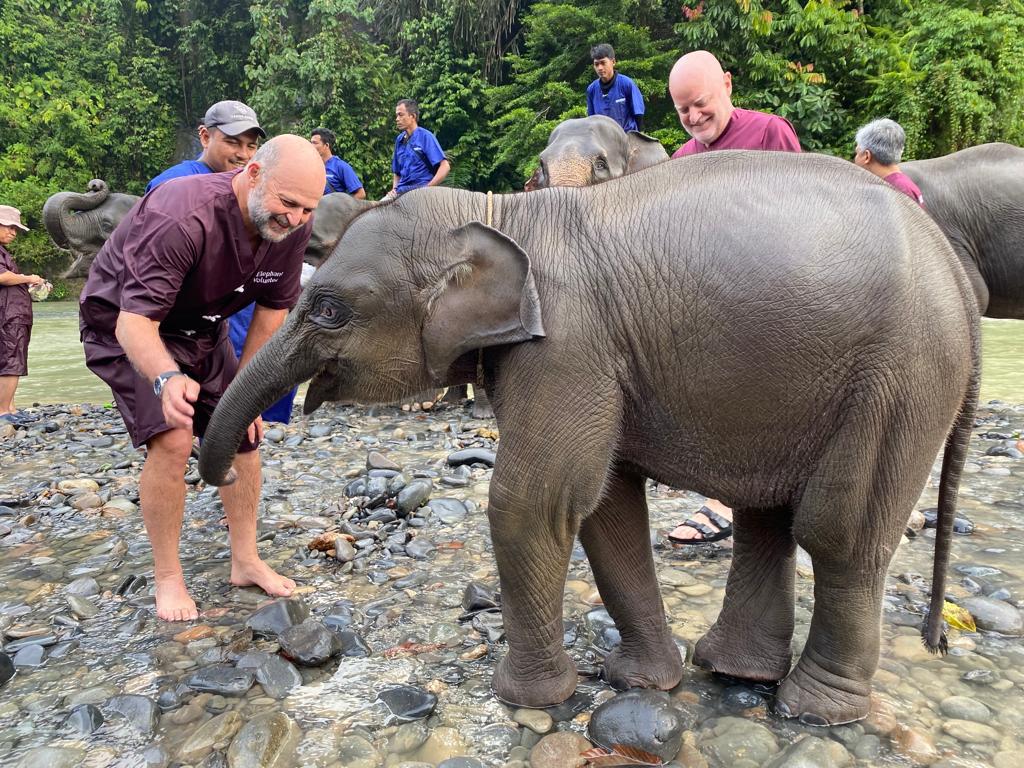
x=340, y=175
x=613, y=94
x=419, y=160
x=230, y=135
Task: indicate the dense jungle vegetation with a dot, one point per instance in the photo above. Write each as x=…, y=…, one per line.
x=110, y=88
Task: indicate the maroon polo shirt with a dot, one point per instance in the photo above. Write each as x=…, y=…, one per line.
x=748, y=129
x=15, y=301
x=906, y=185
x=182, y=256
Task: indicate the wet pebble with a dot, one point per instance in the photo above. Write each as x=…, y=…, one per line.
x=447, y=511
x=309, y=644
x=812, y=752
x=420, y=548
x=413, y=496
x=278, y=677
x=471, y=456
x=220, y=729
x=537, y=720
x=277, y=616
x=52, y=757
x=84, y=719
x=377, y=460
x=965, y=708
x=357, y=752
x=83, y=586
x=141, y=712
x=269, y=740
x=995, y=615
x=644, y=719
x=559, y=750
x=970, y=732
x=407, y=703
x=6, y=668
x=734, y=739
x=30, y=656
x=222, y=679
x=80, y=607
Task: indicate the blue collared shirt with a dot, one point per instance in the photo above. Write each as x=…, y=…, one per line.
x=184, y=168
x=623, y=102
x=341, y=177
x=416, y=159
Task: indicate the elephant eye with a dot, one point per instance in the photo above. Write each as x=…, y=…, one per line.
x=328, y=312
x=601, y=164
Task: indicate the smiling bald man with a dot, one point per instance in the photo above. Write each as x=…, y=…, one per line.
x=190, y=254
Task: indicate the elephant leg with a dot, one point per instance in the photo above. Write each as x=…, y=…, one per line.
x=752, y=635
x=617, y=541
x=481, y=404
x=850, y=520
x=546, y=481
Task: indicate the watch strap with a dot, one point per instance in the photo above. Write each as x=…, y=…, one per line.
x=162, y=379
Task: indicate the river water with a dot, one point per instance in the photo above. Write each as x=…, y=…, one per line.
x=57, y=372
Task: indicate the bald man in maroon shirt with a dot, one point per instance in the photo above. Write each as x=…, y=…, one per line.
x=188, y=255
x=702, y=94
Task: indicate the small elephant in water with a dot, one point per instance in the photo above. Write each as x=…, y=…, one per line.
x=82, y=222
x=586, y=150
x=976, y=196
x=733, y=331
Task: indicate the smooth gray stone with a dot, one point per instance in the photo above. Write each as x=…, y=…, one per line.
x=407, y=703
x=447, y=511
x=141, y=712
x=83, y=586
x=277, y=676
x=30, y=656
x=413, y=496
x=84, y=719
x=6, y=668
x=223, y=679
x=268, y=740
x=275, y=618
x=52, y=757
x=471, y=456
x=995, y=615
x=643, y=719
x=309, y=643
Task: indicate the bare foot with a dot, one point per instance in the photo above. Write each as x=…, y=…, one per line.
x=173, y=602
x=687, y=532
x=256, y=573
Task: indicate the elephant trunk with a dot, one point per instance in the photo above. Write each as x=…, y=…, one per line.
x=271, y=372
x=58, y=210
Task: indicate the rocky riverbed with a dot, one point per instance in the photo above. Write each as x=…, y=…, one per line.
x=384, y=656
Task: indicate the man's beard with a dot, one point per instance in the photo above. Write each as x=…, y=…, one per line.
x=261, y=218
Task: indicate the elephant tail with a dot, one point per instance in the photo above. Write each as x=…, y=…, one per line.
x=953, y=458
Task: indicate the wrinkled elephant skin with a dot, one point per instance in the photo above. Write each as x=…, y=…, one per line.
x=976, y=196
x=780, y=361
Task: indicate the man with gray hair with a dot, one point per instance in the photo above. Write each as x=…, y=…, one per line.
x=187, y=256
x=879, y=150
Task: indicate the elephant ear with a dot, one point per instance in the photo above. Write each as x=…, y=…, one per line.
x=644, y=151
x=485, y=297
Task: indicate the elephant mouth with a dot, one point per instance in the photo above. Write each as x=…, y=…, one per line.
x=326, y=385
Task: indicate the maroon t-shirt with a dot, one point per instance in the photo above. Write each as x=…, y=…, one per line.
x=182, y=256
x=906, y=185
x=15, y=301
x=747, y=129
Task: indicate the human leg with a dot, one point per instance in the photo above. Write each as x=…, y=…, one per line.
x=241, y=501
x=8, y=385
x=162, y=497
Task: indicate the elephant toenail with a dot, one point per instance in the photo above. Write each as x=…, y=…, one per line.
x=783, y=709
x=808, y=719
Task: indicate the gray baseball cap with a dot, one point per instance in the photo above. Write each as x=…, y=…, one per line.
x=233, y=117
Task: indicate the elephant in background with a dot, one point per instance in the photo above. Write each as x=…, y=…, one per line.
x=586, y=150
x=976, y=196
x=779, y=360
x=82, y=222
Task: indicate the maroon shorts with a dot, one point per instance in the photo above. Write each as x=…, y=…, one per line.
x=14, y=349
x=141, y=409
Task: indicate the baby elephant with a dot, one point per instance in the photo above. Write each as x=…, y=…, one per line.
x=782, y=332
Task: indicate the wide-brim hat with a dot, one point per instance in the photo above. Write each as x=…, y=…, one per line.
x=11, y=217
x=233, y=118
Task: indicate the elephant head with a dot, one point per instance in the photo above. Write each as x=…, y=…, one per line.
x=332, y=217
x=588, y=150
x=384, y=318
x=81, y=223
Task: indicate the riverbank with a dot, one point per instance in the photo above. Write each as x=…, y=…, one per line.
x=399, y=594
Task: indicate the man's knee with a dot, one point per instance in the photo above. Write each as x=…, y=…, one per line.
x=173, y=446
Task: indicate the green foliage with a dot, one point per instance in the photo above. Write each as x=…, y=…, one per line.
x=114, y=88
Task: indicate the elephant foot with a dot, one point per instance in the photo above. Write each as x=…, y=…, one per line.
x=661, y=670
x=818, y=697
x=529, y=687
x=740, y=656
x=481, y=404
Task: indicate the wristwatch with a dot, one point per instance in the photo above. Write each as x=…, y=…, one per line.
x=163, y=378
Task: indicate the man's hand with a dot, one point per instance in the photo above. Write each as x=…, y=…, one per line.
x=255, y=431
x=178, y=394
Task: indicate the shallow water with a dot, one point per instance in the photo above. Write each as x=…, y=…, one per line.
x=401, y=599
x=57, y=372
